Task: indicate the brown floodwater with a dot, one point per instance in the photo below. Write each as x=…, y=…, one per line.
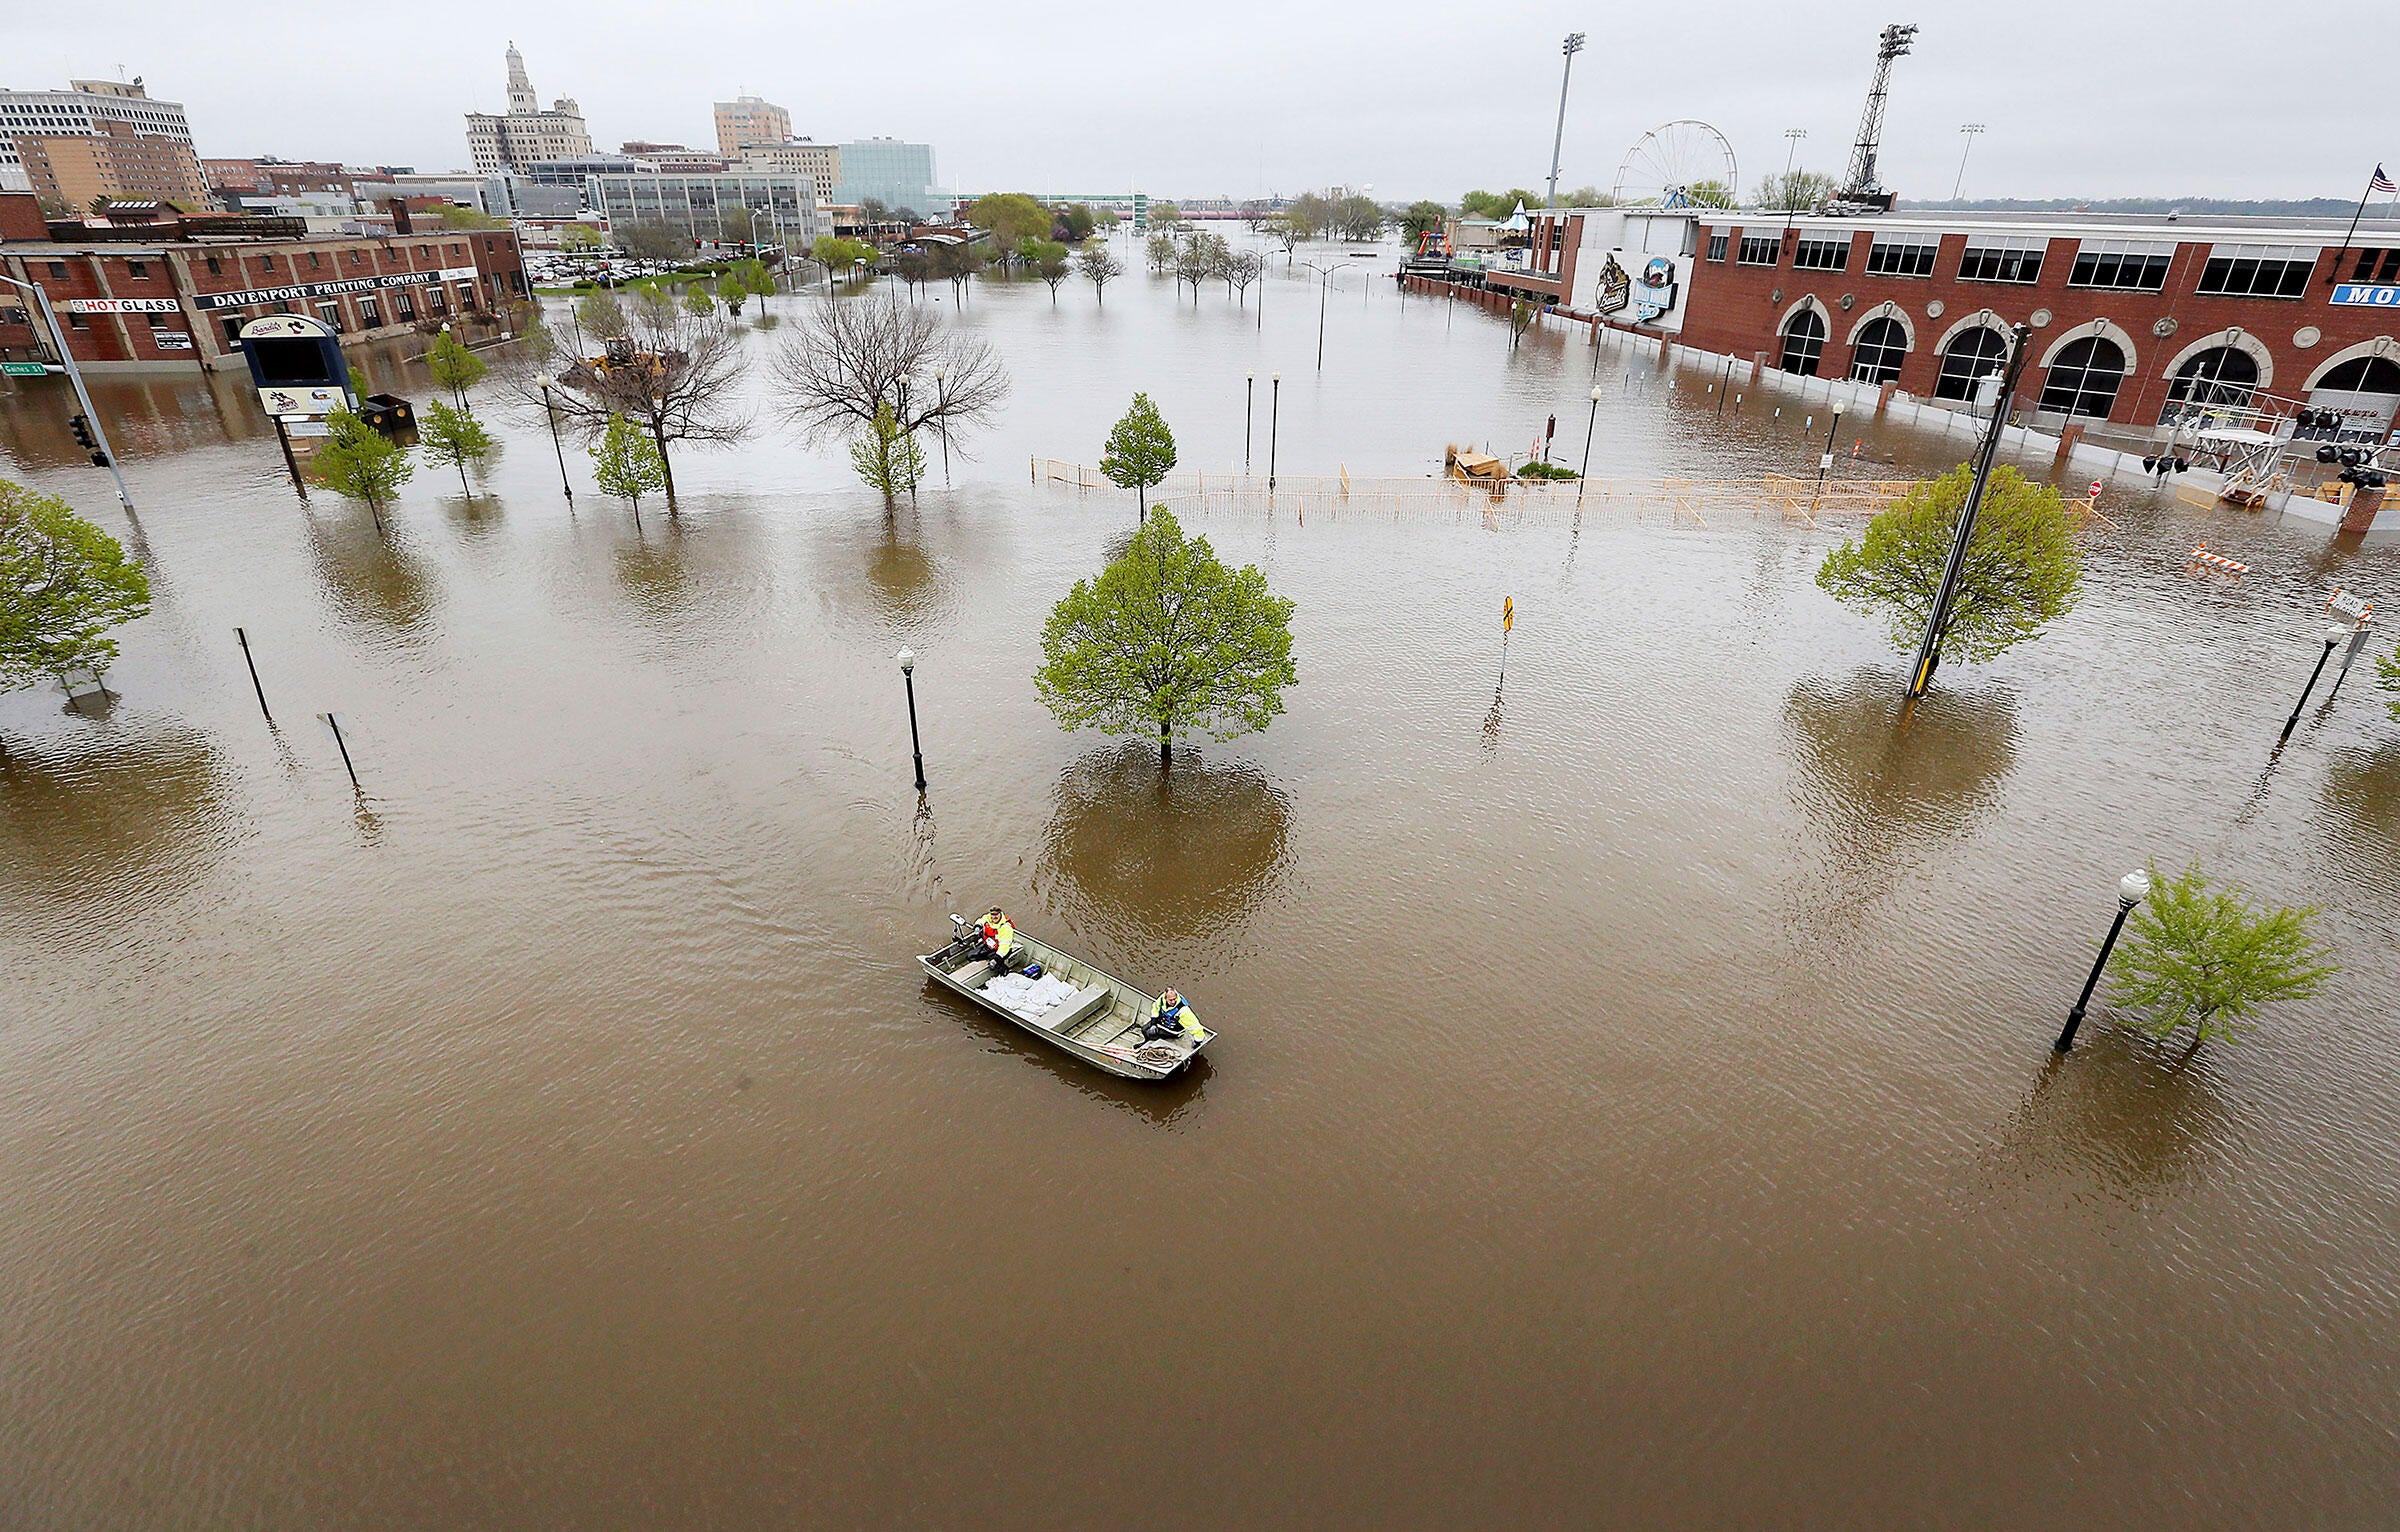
x=1634, y=1104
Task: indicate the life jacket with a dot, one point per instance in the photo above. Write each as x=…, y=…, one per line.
x=1003, y=937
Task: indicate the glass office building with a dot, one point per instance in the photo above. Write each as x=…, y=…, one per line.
x=895, y=173
x=697, y=203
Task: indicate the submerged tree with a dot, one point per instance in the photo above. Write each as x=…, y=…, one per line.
x=1420, y=219
x=1100, y=267
x=1159, y=250
x=63, y=584
x=1168, y=638
x=1048, y=259
x=361, y=463
x=601, y=315
x=2203, y=955
x=848, y=362
x=454, y=367
x=456, y=438
x=887, y=458
x=626, y=464
x=2022, y=569
x=1139, y=452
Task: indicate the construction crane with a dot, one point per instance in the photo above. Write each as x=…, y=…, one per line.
x=1862, y=189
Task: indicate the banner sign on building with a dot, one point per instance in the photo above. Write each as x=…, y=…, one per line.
x=1616, y=288
x=2366, y=296
x=303, y=291
x=121, y=306
x=170, y=340
x=1655, y=293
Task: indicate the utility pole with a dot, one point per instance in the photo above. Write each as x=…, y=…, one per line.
x=1572, y=46
x=66, y=357
x=1929, y=648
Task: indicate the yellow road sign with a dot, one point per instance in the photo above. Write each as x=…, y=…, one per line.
x=1508, y=613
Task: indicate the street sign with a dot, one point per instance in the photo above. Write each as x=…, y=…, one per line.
x=1508, y=613
x=22, y=369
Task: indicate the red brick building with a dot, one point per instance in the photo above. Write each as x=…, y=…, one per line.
x=2135, y=320
x=175, y=294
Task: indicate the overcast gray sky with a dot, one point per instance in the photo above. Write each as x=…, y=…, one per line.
x=1412, y=97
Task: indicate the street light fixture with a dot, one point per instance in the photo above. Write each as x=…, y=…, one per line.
x=1589, y=425
x=2334, y=634
x=1274, y=423
x=2132, y=889
x=550, y=410
x=1970, y=129
x=908, y=678
x=1792, y=137
x=1572, y=46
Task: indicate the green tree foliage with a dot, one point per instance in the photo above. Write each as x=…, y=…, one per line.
x=1163, y=215
x=1139, y=452
x=579, y=238
x=652, y=240
x=1358, y=219
x=454, y=367
x=1312, y=214
x=1159, y=250
x=887, y=457
x=1048, y=260
x=456, y=217
x=835, y=253
x=1072, y=224
x=754, y=277
x=1588, y=196
x=732, y=291
x=699, y=299
x=359, y=462
x=626, y=462
x=1168, y=638
x=454, y=437
x=1709, y=194
x=63, y=584
x=1100, y=267
x=1420, y=219
x=2200, y=954
x=601, y=315
x=1795, y=191
x=2022, y=568
x=1289, y=229
x=1202, y=258
x=1483, y=204
x=1012, y=217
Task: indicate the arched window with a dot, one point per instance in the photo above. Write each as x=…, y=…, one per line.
x=1881, y=347
x=1970, y=355
x=2221, y=375
x=1803, y=343
x=2084, y=379
x=2363, y=375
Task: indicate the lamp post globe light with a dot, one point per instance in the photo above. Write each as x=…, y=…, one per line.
x=2132, y=889
x=908, y=678
x=2334, y=634
x=1274, y=423
x=546, y=383
x=1589, y=424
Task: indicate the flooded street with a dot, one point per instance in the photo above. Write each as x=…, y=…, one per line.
x=1633, y=1106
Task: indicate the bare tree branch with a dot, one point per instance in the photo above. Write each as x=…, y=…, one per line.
x=848, y=358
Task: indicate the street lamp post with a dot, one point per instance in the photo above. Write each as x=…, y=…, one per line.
x=1249, y=402
x=2333, y=635
x=908, y=678
x=941, y=417
x=1572, y=46
x=1970, y=129
x=66, y=357
x=1274, y=424
x=1792, y=137
x=550, y=410
x=1590, y=424
x=2132, y=889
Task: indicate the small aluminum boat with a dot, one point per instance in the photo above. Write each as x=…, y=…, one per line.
x=1100, y=1022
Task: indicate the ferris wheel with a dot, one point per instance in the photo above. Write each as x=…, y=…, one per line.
x=1682, y=164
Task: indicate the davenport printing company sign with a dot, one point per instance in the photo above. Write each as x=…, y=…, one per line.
x=302, y=291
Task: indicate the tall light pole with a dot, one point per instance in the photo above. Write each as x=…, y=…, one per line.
x=1274, y=424
x=1937, y=625
x=941, y=401
x=2132, y=889
x=66, y=357
x=1324, y=271
x=2334, y=634
x=908, y=678
x=547, y=383
x=1249, y=400
x=1590, y=424
x=1792, y=137
x=1970, y=129
x=1572, y=46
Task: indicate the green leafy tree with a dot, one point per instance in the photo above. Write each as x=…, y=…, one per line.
x=2022, y=568
x=1140, y=451
x=1012, y=217
x=699, y=299
x=1049, y=261
x=1709, y=194
x=755, y=278
x=1483, y=204
x=2207, y=956
x=733, y=292
x=1795, y=191
x=455, y=217
x=579, y=238
x=1358, y=219
x=1288, y=229
x=1313, y=214
x=601, y=315
x=1168, y=638
x=626, y=463
x=1420, y=219
x=888, y=457
x=454, y=367
x=835, y=253
x=1159, y=250
x=359, y=462
x=1072, y=224
x=63, y=584
x=1163, y=215
x=1588, y=195
x=454, y=437
x=1100, y=267
x=653, y=240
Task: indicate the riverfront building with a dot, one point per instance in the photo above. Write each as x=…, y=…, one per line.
x=746, y=122
x=783, y=203
x=894, y=173
x=525, y=134
x=82, y=110
x=174, y=294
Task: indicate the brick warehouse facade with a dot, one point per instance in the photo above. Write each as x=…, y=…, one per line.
x=136, y=300
x=2136, y=320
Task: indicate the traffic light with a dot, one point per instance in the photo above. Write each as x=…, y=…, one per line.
x=82, y=430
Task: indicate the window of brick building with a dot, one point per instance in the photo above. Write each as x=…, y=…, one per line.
x=79, y=321
x=2085, y=378
x=267, y=261
x=137, y=269
x=370, y=313
x=215, y=267
x=1970, y=355
x=232, y=324
x=1882, y=347
x=2377, y=266
x=1760, y=250
x=313, y=262
x=1716, y=246
x=2223, y=376
x=1821, y=255
x=2257, y=271
x=1803, y=343
x=1902, y=257
x=1992, y=259
x=58, y=271
x=2127, y=265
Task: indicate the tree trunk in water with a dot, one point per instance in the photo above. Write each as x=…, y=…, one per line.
x=1166, y=747
x=666, y=465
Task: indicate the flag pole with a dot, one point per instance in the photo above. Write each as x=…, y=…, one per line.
x=2335, y=275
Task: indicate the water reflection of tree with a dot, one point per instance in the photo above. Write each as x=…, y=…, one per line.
x=1882, y=784
x=696, y=581
x=905, y=582
x=1161, y=864
x=108, y=823
x=2140, y=1117
x=371, y=577
x=2359, y=815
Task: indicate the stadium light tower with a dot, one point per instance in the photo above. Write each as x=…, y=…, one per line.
x=1862, y=185
x=1572, y=46
x=1970, y=129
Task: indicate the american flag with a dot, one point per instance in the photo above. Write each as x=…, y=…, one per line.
x=2382, y=182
